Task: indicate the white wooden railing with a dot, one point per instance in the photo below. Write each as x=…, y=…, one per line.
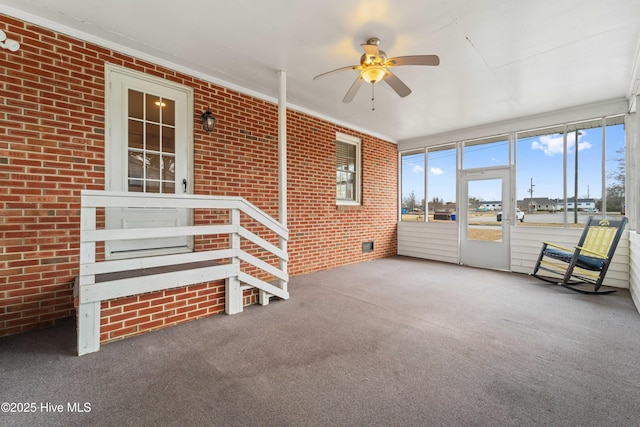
x=90, y=293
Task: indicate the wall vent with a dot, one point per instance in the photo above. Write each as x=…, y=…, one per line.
x=367, y=247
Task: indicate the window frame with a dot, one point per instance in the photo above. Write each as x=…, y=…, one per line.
x=516, y=135
x=342, y=138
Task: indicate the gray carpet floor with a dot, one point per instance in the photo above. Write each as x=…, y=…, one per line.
x=391, y=342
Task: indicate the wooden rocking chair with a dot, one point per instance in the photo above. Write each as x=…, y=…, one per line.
x=586, y=263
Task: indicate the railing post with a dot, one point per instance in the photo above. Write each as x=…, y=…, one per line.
x=88, y=316
x=233, y=293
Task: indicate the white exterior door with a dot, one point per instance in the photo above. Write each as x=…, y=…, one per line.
x=484, y=241
x=149, y=150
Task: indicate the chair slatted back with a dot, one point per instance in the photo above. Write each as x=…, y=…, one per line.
x=599, y=239
x=602, y=236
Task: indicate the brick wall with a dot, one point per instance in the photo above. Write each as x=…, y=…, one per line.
x=52, y=146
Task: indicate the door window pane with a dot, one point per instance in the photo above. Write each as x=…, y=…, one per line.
x=168, y=139
x=153, y=106
x=153, y=137
x=168, y=112
x=136, y=134
x=136, y=104
x=151, y=146
x=484, y=210
x=136, y=185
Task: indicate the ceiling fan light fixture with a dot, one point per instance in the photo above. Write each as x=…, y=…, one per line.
x=373, y=73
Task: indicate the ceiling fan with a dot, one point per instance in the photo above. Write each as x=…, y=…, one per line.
x=374, y=66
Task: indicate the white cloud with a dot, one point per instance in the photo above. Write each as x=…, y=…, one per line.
x=436, y=171
x=554, y=144
x=418, y=169
x=549, y=144
x=584, y=145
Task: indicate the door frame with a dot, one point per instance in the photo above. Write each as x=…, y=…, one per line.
x=113, y=155
x=478, y=253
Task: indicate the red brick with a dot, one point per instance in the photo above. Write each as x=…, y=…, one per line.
x=122, y=332
x=48, y=163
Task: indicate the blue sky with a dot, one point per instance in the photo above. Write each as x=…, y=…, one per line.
x=539, y=160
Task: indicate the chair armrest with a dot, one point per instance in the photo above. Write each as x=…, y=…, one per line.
x=559, y=247
x=591, y=253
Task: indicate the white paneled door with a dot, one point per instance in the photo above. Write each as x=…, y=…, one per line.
x=149, y=150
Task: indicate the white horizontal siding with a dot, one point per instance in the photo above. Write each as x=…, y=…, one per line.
x=527, y=241
x=437, y=241
x=634, y=267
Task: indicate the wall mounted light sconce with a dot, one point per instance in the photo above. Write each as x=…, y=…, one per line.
x=208, y=121
x=6, y=43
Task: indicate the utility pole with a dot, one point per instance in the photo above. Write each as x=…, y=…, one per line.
x=530, y=191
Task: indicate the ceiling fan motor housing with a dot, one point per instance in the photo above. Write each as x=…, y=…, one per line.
x=366, y=60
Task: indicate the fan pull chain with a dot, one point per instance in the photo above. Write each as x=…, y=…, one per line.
x=373, y=98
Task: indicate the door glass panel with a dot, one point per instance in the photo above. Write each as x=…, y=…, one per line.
x=136, y=169
x=168, y=112
x=136, y=104
x=151, y=146
x=484, y=218
x=168, y=187
x=152, y=167
x=136, y=134
x=168, y=139
x=153, y=137
x=136, y=185
x=153, y=107
x=152, y=186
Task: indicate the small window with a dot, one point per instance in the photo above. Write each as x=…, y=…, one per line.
x=486, y=152
x=347, y=170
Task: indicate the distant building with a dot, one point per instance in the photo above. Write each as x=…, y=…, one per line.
x=489, y=206
x=553, y=205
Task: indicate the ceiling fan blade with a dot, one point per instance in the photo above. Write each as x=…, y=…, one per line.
x=350, y=67
x=351, y=93
x=413, y=60
x=370, y=49
x=396, y=84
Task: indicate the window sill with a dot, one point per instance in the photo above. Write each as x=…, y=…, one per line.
x=342, y=208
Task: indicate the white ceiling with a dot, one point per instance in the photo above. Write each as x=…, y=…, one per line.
x=499, y=59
